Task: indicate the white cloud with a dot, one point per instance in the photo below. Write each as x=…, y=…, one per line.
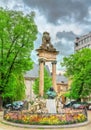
x=76, y=18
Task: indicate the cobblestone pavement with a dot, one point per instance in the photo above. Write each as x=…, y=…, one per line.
x=86, y=127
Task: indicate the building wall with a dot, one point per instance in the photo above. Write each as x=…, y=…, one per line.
x=69, y=83
x=83, y=42
x=62, y=87
x=29, y=91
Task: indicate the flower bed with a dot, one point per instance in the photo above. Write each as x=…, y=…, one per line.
x=45, y=119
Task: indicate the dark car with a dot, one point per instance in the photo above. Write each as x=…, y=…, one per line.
x=69, y=104
x=16, y=105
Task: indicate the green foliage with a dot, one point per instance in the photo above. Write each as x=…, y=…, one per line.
x=15, y=88
x=78, y=68
x=47, y=83
x=67, y=94
x=36, y=86
x=17, y=34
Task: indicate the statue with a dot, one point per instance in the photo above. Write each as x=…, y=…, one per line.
x=46, y=38
x=51, y=102
x=46, y=42
x=51, y=93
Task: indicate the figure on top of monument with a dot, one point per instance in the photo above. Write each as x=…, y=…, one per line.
x=51, y=93
x=46, y=42
x=46, y=38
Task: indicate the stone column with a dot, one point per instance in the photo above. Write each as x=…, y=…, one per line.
x=54, y=75
x=41, y=77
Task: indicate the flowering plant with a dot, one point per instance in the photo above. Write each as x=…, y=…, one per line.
x=48, y=119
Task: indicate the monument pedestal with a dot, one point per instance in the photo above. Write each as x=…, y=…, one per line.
x=51, y=106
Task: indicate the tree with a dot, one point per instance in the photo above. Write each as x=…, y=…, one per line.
x=15, y=89
x=78, y=68
x=47, y=83
x=17, y=34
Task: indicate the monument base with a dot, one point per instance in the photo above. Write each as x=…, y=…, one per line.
x=51, y=106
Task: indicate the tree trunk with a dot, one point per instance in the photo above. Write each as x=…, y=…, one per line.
x=79, y=100
x=1, y=102
x=80, y=92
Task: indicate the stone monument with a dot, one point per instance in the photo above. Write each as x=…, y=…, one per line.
x=46, y=53
x=50, y=102
x=51, y=106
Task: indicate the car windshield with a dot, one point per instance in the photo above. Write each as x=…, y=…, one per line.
x=77, y=105
x=72, y=102
x=18, y=103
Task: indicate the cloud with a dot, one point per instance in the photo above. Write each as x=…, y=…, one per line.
x=63, y=19
x=11, y=4
x=65, y=44
x=66, y=10
x=38, y=41
x=37, y=44
x=64, y=47
x=67, y=35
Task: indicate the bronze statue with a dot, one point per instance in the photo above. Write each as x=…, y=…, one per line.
x=51, y=93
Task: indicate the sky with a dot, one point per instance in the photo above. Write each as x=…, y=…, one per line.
x=63, y=19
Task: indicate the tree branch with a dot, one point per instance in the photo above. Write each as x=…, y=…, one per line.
x=12, y=65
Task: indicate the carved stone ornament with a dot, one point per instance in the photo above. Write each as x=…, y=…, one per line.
x=46, y=42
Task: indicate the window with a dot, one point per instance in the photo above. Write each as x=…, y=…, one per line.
x=76, y=44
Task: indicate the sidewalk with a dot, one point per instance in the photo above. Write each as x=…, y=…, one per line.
x=8, y=127
x=1, y=115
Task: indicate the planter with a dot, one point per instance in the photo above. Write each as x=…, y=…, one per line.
x=25, y=117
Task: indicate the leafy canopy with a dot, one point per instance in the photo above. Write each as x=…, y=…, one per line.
x=17, y=34
x=78, y=68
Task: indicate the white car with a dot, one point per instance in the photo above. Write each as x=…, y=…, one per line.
x=89, y=108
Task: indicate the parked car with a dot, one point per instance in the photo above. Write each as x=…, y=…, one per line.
x=16, y=105
x=80, y=105
x=77, y=106
x=69, y=104
x=89, y=107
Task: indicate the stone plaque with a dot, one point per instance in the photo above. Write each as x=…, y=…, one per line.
x=51, y=105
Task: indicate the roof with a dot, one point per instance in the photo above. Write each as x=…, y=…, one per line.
x=34, y=73
x=61, y=79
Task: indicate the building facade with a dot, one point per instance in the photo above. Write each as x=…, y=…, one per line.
x=30, y=77
x=62, y=84
x=83, y=42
